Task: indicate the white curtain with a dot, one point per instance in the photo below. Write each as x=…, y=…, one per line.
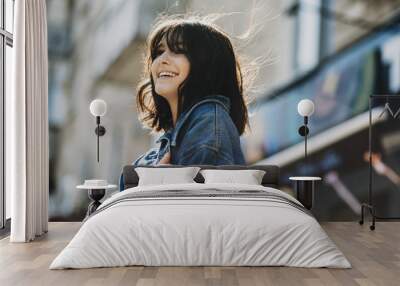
x=27, y=124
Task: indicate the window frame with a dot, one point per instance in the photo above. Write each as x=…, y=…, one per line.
x=6, y=39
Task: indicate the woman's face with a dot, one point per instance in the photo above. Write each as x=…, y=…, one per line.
x=169, y=70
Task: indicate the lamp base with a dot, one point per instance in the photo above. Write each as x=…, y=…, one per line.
x=303, y=130
x=100, y=130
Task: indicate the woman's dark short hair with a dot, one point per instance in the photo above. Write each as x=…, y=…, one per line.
x=214, y=69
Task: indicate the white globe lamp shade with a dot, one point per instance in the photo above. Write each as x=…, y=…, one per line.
x=98, y=107
x=305, y=107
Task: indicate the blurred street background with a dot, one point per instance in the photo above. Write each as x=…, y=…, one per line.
x=336, y=53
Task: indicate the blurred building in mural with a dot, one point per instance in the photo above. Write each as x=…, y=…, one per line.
x=336, y=53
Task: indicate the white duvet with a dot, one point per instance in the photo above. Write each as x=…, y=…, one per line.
x=183, y=231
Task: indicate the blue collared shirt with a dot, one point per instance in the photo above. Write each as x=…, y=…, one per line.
x=203, y=135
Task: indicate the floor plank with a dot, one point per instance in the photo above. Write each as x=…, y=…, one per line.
x=374, y=255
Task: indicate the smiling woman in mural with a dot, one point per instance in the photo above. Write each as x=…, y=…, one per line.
x=192, y=89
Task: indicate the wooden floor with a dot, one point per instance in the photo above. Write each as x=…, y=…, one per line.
x=374, y=255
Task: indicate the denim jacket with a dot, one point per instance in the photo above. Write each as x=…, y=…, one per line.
x=203, y=135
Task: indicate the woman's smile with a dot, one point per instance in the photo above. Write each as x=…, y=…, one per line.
x=166, y=74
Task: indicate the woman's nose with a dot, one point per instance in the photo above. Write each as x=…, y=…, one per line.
x=165, y=58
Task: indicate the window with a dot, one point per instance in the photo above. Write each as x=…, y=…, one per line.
x=308, y=25
x=6, y=44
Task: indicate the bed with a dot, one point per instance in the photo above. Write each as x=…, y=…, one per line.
x=201, y=224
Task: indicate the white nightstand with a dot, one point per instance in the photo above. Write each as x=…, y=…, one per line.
x=96, y=190
x=304, y=189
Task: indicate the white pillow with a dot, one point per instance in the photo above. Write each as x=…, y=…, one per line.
x=162, y=176
x=249, y=177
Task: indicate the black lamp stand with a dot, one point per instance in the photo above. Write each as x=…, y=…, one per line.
x=370, y=206
x=100, y=131
x=303, y=131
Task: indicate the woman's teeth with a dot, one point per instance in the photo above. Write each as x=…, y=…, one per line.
x=167, y=74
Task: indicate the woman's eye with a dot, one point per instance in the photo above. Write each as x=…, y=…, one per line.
x=158, y=52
